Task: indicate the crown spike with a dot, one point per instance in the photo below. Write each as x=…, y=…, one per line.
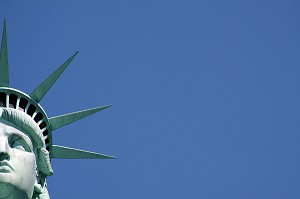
x=44, y=87
x=61, y=152
x=4, y=70
x=63, y=120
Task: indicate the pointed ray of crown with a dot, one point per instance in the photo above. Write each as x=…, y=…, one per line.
x=4, y=76
x=13, y=98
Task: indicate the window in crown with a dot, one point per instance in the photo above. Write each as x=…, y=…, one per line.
x=12, y=100
x=38, y=117
x=2, y=99
x=31, y=110
x=42, y=125
x=45, y=133
x=23, y=104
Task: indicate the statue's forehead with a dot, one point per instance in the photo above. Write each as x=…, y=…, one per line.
x=10, y=127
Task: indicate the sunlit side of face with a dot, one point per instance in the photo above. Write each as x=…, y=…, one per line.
x=17, y=162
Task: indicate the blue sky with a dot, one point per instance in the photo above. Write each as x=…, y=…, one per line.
x=205, y=94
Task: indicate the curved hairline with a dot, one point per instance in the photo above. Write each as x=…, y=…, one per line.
x=18, y=123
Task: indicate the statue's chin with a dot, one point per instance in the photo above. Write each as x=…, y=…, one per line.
x=8, y=191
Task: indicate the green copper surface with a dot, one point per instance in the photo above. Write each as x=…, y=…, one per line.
x=44, y=87
x=4, y=74
x=62, y=120
x=61, y=152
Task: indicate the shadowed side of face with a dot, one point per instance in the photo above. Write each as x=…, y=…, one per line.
x=17, y=163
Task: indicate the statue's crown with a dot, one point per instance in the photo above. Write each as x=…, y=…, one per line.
x=29, y=104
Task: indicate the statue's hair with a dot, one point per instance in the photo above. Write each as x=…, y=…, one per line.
x=28, y=126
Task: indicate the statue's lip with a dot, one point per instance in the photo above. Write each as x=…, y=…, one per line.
x=5, y=167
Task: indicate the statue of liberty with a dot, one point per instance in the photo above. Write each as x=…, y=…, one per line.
x=26, y=135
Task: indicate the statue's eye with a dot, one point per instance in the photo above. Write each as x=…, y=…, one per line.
x=20, y=144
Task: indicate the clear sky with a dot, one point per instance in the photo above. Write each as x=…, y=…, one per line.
x=205, y=94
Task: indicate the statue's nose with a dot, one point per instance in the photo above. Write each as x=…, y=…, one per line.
x=4, y=156
x=4, y=149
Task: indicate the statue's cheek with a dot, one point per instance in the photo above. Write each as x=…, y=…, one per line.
x=25, y=166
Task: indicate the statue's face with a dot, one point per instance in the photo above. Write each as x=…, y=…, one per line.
x=17, y=163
